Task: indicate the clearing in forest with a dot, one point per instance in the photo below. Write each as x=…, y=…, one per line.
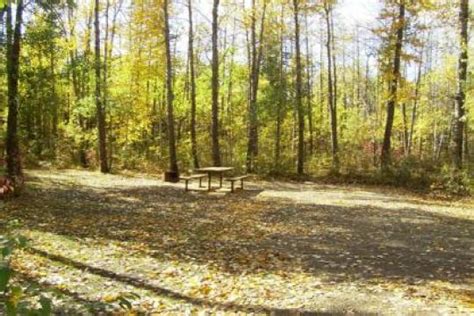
x=278, y=248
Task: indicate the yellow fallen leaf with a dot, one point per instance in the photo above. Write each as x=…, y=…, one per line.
x=109, y=298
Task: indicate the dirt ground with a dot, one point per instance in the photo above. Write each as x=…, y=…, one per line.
x=276, y=248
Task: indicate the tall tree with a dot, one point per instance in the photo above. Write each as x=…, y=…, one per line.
x=309, y=87
x=415, y=102
x=256, y=57
x=299, y=87
x=216, y=153
x=393, y=86
x=14, y=168
x=192, y=76
x=108, y=51
x=173, y=163
x=101, y=125
x=230, y=94
x=331, y=83
x=282, y=92
x=459, y=106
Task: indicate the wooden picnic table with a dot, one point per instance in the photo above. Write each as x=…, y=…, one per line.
x=214, y=170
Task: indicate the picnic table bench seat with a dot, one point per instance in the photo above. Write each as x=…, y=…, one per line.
x=188, y=178
x=232, y=180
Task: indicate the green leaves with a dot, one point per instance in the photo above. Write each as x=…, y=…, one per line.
x=125, y=300
x=5, y=274
x=15, y=302
x=4, y=3
x=46, y=306
x=6, y=251
x=16, y=305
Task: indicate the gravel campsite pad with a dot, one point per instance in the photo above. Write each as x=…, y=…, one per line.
x=275, y=248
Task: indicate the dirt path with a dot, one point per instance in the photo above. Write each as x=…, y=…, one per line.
x=276, y=248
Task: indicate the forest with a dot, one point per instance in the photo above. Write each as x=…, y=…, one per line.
x=319, y=102
x=269, y=87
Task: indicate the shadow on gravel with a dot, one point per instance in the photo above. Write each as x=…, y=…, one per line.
x=169, y=293
x=237, y=233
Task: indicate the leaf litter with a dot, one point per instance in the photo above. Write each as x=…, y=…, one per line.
x=94, y=237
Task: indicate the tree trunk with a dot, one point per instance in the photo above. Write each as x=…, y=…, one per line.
x=78, y=80
x=299, y=85
x=14, y=168
x=173, y=163
x=229, y=107
x=101, y=125
x=282, y=97
x=386, y=147
x=331, y=88
x=252, y=110
x=216, y=153
x=105, y=88
x=405, y=129
x=358, y=69
x=106, y=53
x=192, y=75
x=321, y=74
x=415, y=105
x=309, y=90
x=459, y=107
x=256, y=56
x=54, y=104
x=107, y=70
x=466, y=144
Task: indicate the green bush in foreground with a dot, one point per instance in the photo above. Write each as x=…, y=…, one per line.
x=12, y=297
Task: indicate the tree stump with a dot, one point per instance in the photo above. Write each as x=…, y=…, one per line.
x=171, y=176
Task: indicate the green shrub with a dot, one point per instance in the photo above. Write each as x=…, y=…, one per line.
x=13, y=296
x=457, y=183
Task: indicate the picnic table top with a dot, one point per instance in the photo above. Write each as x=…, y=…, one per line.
x=214, y=169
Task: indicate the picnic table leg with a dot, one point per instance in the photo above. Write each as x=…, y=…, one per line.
x=209, y=181
x=220, y=182
x=200, y=182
